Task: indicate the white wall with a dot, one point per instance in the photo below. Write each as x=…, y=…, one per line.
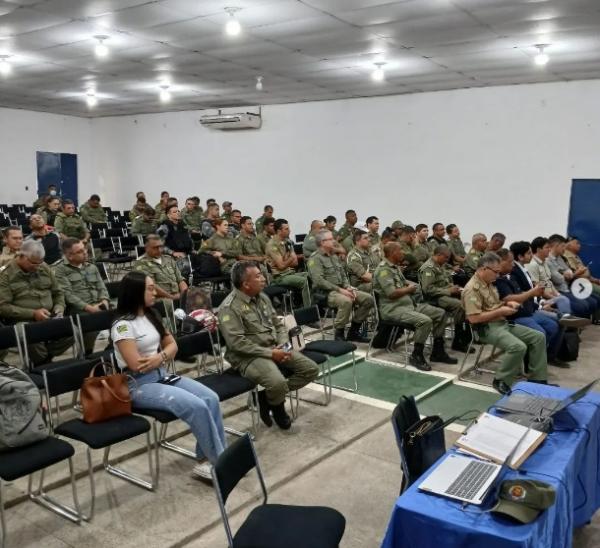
x=488, y=159
x=22, y=134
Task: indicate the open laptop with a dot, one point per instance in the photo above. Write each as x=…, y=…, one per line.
x=538, y=406
x=465, y=478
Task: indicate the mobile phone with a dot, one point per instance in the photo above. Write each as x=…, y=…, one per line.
x=169, y=379
x=286, y=347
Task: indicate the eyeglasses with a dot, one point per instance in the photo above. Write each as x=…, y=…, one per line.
x=32, y=262
x=497, y=272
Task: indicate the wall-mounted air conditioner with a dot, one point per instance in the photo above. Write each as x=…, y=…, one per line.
x=242, y=120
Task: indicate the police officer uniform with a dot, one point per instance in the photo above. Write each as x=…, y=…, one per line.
x=472, y=261
x=252, y=329
x=143, y=227
x=229, y=248
x=91, y=214
x=309, y=245
x=163, y=271
x=192, y=220
x=288, y=277
x=70, y=226
x=358, y=263
x=515, y=340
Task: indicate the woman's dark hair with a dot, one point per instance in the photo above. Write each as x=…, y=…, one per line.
x=131, y=299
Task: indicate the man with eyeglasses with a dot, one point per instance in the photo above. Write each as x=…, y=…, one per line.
x=493, y=321
x=30, y=292
x=169, y=282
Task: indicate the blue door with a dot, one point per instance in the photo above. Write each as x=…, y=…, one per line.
x=584, y=220
x=58, y=169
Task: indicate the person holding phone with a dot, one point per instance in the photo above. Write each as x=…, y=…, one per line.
x=142, y=348
x=258, y=344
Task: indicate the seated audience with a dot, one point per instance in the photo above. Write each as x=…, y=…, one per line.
x=12, y=239
x=254, y=336
x=309, y=245
x=267, y=233
x=161, y=206
x=267, y=212
x=48, y=238
x=347, y=229
x=235, y=223
x=496, y=242
x=227, y=210
x=51, y=192
x=331, y=284
x=82, y=285
x=192, y=216
x=178, y=241
x=208, y=224
x=249, y=246
x=330, y=221
x=396, y=229
x=29, y=292
x=437, y=236
x=372, y=223
x=421, y=249
x=168, y=281
x=92, y=211
x=145, y=223
x=456, y=246
x=478, y=246
x=489, y=317
x=70, y=225
x=399, y=302
x=407, y=241
x=283, y=261
x=139, y=207
x=580, y=270
x=221, y=246
x=143, y=348
x=50, y=210
x=440, y=290
x=361, y=262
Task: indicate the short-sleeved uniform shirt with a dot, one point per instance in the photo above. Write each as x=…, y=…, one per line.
x=141, y=330
x=479, y=296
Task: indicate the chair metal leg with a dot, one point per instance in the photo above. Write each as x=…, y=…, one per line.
x=2, y=518
x=329, y=382
x=40, y=497
x=171, y=446
x=120, y=473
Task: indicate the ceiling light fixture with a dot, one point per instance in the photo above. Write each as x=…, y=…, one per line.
x=5, y=66
x=232, y=27
x=101, y=49
x=165, y=94
x=91, y=99
x=378, y=74
x=541, y=59
x=259, y=84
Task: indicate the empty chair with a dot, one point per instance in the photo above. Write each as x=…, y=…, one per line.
x=271, y=525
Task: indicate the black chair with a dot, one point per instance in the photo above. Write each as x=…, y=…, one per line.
x=282, y=293
x=166, y=310
x=101, y=435
x=217, y=298
x=310, y=315
x=271, y=525
x=26, y=461
x=90, y=323
x=130, y=243
x=110, y=254
x=113, y=289
x=103, y=273
x=405, y=414
x=300, y=238
x=114, y=233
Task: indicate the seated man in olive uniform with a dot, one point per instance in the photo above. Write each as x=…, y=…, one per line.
x=309, y=245
x=283, y=261
x=268, y=231
x=192, y=216
x=144, y=224
x=70, y=225
x=398, y=302
x=407, y=240
x=92, y=211
x=255, y=336
x=478, y=246
x=347, y=229
x=437, y=236
x=29, y=292
x=372, y=223
x=439, y=290
x=162, y=268
x=267, y=213
x=361, y=262
x=330, y=283
x=491, y=318
x=250, y=247
x=13, y=240
x=82, y=285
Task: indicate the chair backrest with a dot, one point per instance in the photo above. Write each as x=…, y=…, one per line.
x=102, y=269
x=66, y=378
x=217, y=298
x=405, y=414
x=8, y=338
x=300, y=238
x=194, y=344
x=307, y=315
x=113, y=289
x=48, y=330
x=233, y=464
x=98, y=321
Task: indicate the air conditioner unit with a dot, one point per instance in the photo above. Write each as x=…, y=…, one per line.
x=243, y=120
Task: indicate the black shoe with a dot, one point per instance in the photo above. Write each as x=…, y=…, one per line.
x=501, y=387
x=264, y=409
x=355, y=335
x=439, y=354
x=417, y=359
x=280, y=416
x=540, y=382
x=339, y=335
x=558, y=363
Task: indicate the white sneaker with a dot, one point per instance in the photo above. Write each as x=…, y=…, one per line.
x=203, y=470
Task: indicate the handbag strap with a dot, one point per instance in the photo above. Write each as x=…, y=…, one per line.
x=110, y=390
x=93, y=370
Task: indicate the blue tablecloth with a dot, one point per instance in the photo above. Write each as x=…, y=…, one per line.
x=567, y=459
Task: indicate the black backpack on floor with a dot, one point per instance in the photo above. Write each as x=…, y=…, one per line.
x=569, y=347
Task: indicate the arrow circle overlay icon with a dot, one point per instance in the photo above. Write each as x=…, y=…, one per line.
x=581, y=288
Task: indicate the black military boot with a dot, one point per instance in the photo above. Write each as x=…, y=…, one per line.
x=418, y=359
x=355, y=335
x=280, y=416
x=264, y=409
x=339, y=334
x=439, y=354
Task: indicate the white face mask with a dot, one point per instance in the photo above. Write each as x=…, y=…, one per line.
x=53, y=193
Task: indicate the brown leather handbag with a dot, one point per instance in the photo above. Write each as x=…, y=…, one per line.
x=104, y=398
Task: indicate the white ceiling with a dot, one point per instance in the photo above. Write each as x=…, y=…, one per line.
x=306, y=50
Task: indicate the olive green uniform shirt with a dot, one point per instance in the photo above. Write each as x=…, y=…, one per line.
x=276, y=249
x=141, y=227
x=6, y=256
x=410, y=259
x=574, y=261
x=457, y=248
x=45, y=213
x=259, y=224
x=250, y=246
x=309, y=245
x=360, y=262
x=421, y=252
x=327, y=272
x=165, y=274
x=263, y=239
x=229, y=247
x=251, y=328
x=93, y=214
x=71, y=227
x=82, y=286
x=134, y=212
x=345, y=231
x=374, y=239
x=435, y=280
x=472, y=261
x=387, y=278
x=23, y=292
x=192, y=220
x=479, y=296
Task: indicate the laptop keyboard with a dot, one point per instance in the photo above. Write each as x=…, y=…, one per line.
x=470, y=480
x=536, y=406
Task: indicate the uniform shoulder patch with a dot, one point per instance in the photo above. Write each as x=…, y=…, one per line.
x=123, y=328
x=383, y=273
x=428, y=273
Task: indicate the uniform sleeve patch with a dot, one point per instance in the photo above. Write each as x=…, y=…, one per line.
x=123, y=328
x=225, y=318
x=384, y=273
x=428, y=273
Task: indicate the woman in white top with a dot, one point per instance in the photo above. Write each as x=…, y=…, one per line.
x=142, y=346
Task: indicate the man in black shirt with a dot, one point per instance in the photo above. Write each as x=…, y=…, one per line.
x=50, y=240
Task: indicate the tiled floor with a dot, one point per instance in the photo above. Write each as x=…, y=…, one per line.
x=343, y=455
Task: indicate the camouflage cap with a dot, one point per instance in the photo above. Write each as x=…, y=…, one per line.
x=524, y=500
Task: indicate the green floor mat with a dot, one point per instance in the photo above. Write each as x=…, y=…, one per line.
x=453, y=400
x=382, y=382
